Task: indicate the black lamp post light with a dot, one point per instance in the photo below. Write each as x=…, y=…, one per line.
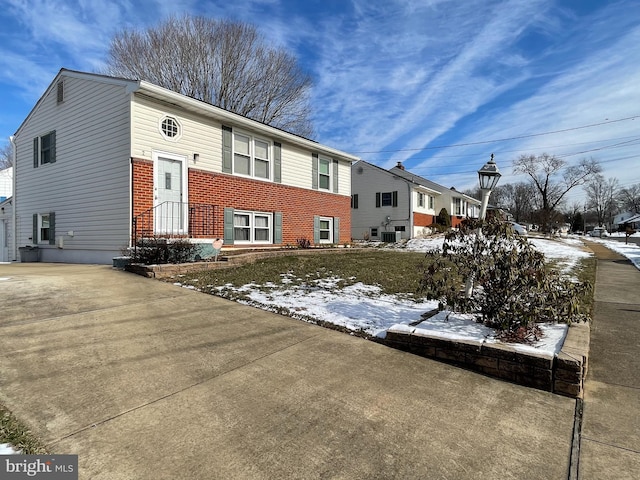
x=488, y=176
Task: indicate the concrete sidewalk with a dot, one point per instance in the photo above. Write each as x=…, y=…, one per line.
x=610, y=440
x=146, y=380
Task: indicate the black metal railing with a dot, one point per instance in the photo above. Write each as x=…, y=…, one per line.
x=174, y=220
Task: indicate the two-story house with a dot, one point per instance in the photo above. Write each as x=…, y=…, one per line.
x=102, y=162
x=396, y=203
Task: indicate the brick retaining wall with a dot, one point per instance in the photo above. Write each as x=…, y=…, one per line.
x=563, y=373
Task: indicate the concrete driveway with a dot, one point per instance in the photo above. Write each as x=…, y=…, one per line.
x=146, y=380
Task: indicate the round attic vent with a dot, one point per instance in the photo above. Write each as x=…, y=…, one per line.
x=360, y=170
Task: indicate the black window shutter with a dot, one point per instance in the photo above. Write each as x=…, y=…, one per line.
x=335, y=176
x=394, y=199
x=34, y=238
x=377, y=199
x=52, y=228
x=354, y=200
x=53, y=146
x=36, y=151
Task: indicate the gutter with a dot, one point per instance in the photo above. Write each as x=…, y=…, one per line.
x=12, y=140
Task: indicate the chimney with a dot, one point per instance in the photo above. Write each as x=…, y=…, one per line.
x=400, y=166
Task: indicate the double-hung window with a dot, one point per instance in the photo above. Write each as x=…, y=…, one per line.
x=44, y=225
x=326, y=230
x=44, y=149
x=251, y=156
x=420, y=199
x=324, y=173
x=252, y=227
x=460, y=206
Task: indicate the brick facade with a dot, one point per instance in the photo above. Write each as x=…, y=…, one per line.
x=423, y=220
x=298, y=205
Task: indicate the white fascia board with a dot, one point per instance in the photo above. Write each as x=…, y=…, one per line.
x=422, y=188
x=239, y=120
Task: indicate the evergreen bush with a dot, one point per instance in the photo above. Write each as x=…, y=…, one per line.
x=512, y=291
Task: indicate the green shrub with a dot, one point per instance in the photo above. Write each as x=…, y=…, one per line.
x=444, y=218
x=157, y=250
x=512, y=290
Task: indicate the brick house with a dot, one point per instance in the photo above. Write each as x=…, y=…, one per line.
x=102, y=162
x=395, y=203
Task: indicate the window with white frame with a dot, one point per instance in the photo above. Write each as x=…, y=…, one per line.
x=420, y=199
x=252, y=227
x=251, y=156
x=170, y=128
x=44, y=228
x=326, y=230
x=431, y=202
x=324, y=173
x=460, y=206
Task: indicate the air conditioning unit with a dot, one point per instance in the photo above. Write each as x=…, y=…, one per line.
x=391, y=237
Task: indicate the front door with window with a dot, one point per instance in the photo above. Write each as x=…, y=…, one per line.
x=170, y=211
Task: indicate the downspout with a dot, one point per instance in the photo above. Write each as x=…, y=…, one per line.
x=14, y=156
x=410, y=213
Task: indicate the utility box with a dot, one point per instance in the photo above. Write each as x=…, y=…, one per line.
x=29, y=254
x=391, y=237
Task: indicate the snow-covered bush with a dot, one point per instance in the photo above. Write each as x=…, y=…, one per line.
x=511, y=288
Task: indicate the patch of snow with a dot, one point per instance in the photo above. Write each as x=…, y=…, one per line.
x=6, y=449
x=631, y=250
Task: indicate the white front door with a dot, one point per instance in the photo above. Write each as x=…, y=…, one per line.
x=170, y=211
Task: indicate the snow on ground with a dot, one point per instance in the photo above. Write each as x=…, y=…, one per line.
x=364, y=307
x=631, y=251
x=6, y=449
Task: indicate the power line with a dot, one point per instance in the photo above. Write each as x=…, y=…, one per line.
x=483, y=142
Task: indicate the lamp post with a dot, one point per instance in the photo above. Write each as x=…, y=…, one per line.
x=488, y=176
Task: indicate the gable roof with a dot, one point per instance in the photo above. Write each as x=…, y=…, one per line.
x=413, y=178
x=191, y=104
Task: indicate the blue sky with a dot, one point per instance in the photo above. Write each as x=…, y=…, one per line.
x=436, y=84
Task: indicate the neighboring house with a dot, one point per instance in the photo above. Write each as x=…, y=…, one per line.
x=631, y=218
x=103, y=162
x=6, y=183
x=6, y=236
x=396, y=200
x=6, y=190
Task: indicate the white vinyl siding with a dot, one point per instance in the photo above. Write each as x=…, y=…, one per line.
x=90, y=175
x=297, y=171
x=198, y=134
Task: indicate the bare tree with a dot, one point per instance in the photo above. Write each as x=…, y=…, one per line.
x=629, y=198
x=226, y=63
x=601, y=197
x=6, y=156
x=553, y=179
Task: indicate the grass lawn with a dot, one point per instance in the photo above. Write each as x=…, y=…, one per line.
x=395, y=272
x=15, y=433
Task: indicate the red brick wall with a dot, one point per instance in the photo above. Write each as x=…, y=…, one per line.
x=298, y=205
x=142, y=185
x=456, y=220
x=422, y=220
